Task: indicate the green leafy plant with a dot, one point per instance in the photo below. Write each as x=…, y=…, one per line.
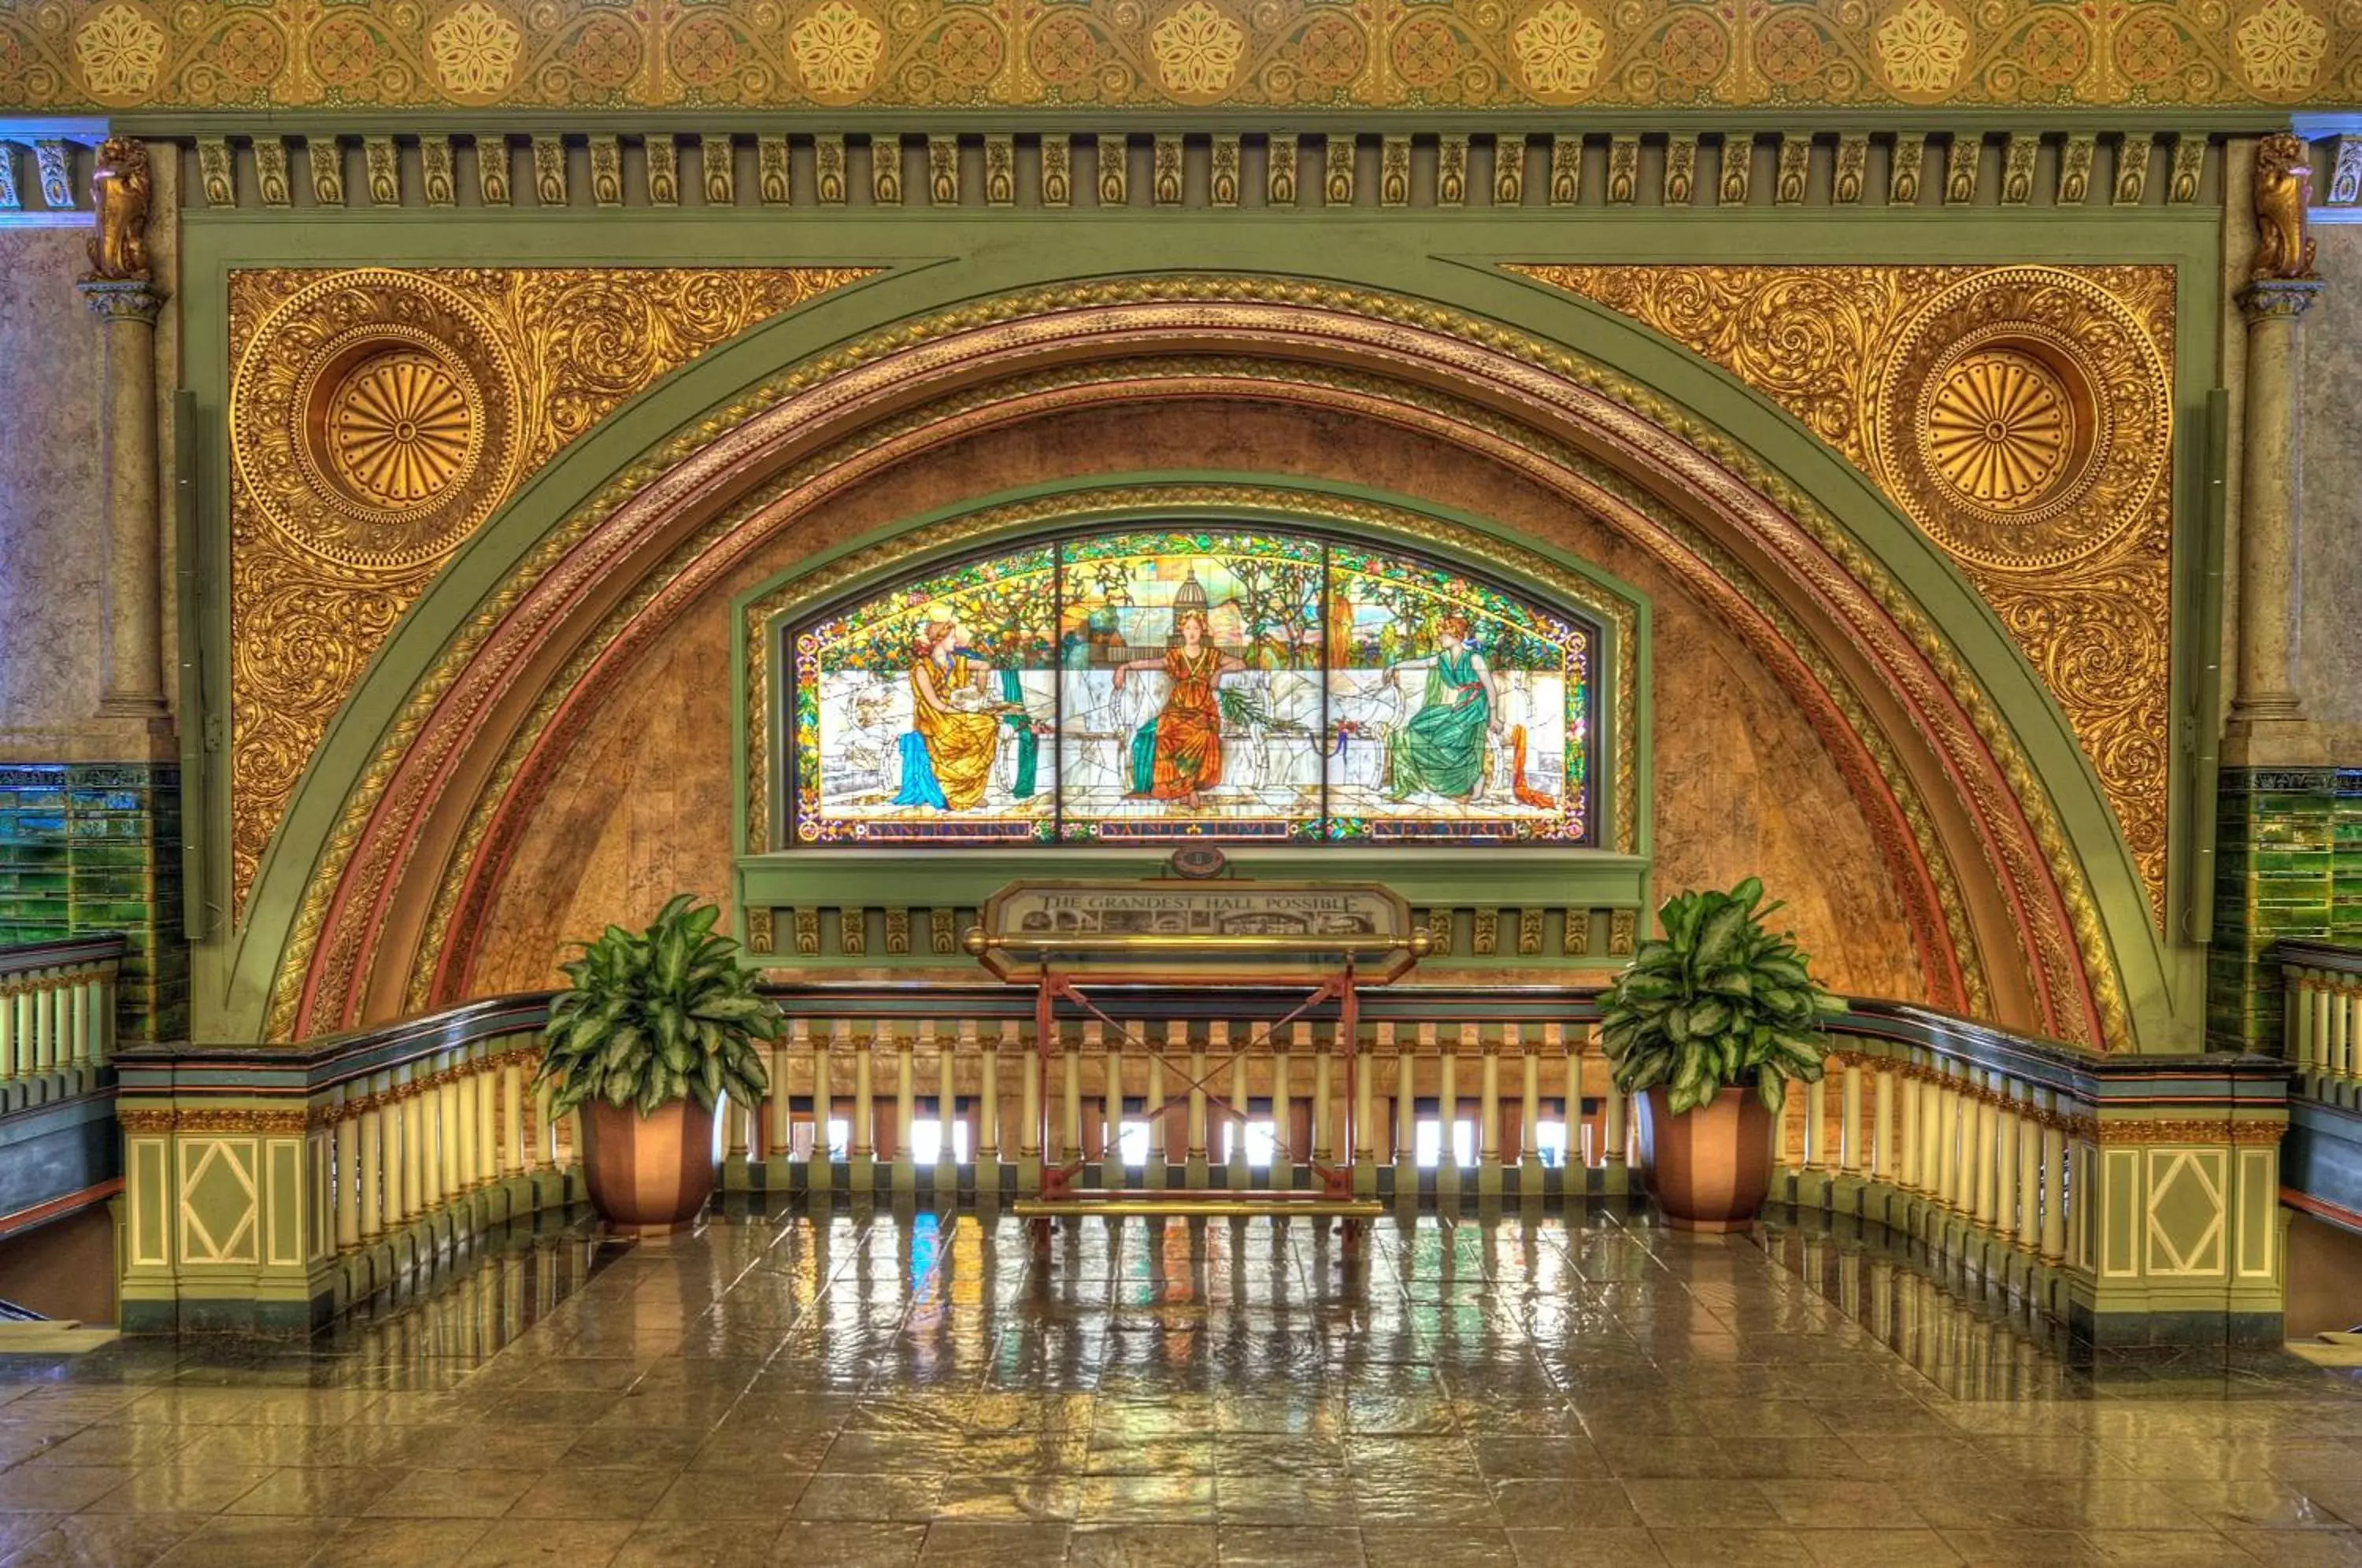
x=1717, y=1002
x=654, y=1016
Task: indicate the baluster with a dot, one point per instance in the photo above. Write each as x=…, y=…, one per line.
x=11, y=1037
x=1111, y=1109
x=2082, y=1167
x=1530, y=1072
x=947, y=1098
x=2348, y=1031
x=1944, y=1141
x=1615, y=1106
x=991, y=1145
x=2053, y=1169
x=2319, y=997
x=1854, y=1151
x=1071, y=1147
x=1219, y=1034
x=373, y=1183
x=1235, y=1125
x=1982, y=1137
x=541, y=1141
x=488, y=1114
x=1031, y=1117
x=1817, y=1132
x=1283, y=1108
x=349, y=1180
x=414, y=1177
x=1365, y=1097
x=77, y=1043
x=1488, y=1100
x=450, y=1126
x=1883, y=1166
x=1447, y=1109
x=2030, y=1170
x=861, y=1142
x=906, y=1103
x=45, y=1023
x=1153, y=1099
x=1407, y=1051
x=513, y=1158
x=2296, y=1016
x=1324, y=1085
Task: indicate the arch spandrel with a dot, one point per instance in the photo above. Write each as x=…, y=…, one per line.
x=1968, y=805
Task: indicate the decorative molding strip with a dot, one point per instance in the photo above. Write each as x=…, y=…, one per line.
x=1201, y=172
x=274, y=55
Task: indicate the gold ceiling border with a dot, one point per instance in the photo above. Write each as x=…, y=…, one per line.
x=2091, y=942
x=263, y=55
x=2022, y=418
x=377, y=417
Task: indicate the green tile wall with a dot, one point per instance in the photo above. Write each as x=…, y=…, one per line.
x=96, y=846
x=2288, y=864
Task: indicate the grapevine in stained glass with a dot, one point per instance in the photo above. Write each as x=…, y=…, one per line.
x=1243, y=685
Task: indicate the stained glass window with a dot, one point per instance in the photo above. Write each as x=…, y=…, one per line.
x=1161, y=684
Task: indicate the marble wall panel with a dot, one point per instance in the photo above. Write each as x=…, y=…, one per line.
x=52, y=507
x=2329, y=660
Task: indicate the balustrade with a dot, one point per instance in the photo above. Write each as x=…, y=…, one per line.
x=57, y=1016
x=2321, y=1019
x=2035, y=1163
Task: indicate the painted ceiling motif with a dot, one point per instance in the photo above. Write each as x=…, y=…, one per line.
x=378, y=417
x=2022, y=416
x=1440, y=54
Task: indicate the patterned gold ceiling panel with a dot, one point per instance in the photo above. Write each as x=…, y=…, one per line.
x=1442, y=54
x=2022, y=417
x=377, y=417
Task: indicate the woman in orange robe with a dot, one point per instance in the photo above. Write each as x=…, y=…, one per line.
x=1187, y=749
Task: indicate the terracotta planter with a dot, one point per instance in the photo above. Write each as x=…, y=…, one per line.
x=648, y=1174
x=1709, y=1169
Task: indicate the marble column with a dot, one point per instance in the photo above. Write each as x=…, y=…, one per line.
x=2266, y=691
x=133, y=682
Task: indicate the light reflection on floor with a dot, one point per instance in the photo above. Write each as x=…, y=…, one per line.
x=855, y=1386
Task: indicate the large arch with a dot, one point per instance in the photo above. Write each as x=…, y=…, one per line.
x=1968, y=825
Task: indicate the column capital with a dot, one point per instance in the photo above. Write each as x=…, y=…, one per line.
x=122, y=299
x=2279, y=299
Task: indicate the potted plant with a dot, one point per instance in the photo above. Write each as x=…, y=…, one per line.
x=655, y=1026
x=1706, y=1027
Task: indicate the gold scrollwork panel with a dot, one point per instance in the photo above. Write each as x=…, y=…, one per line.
x=377, y=417
x=2022, y=418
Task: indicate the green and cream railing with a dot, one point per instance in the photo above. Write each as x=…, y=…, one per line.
x=57, y=1017
x=2322, y=1023
x=2322, y=1038
x=2131, y=1197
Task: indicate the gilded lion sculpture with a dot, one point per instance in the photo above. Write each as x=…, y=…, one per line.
x=119, y=188
x=2283, y=190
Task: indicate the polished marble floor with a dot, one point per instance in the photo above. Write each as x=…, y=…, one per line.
x=846, y=1388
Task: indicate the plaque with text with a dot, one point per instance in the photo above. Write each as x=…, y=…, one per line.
x=1197, y=932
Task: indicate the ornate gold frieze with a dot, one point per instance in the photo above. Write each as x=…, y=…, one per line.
x=2022, y=417
x=1446, y=54
x=377, y=418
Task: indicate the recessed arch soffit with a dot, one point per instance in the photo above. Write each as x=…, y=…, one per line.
x=377, y=417
x=2022, y=418
x=645, y=513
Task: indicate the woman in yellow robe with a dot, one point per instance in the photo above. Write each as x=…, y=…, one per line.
x=949, y=715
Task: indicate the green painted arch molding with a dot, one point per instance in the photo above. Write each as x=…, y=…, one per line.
x=2160, y=985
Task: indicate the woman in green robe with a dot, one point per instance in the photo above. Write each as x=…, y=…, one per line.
x=1442, y=750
